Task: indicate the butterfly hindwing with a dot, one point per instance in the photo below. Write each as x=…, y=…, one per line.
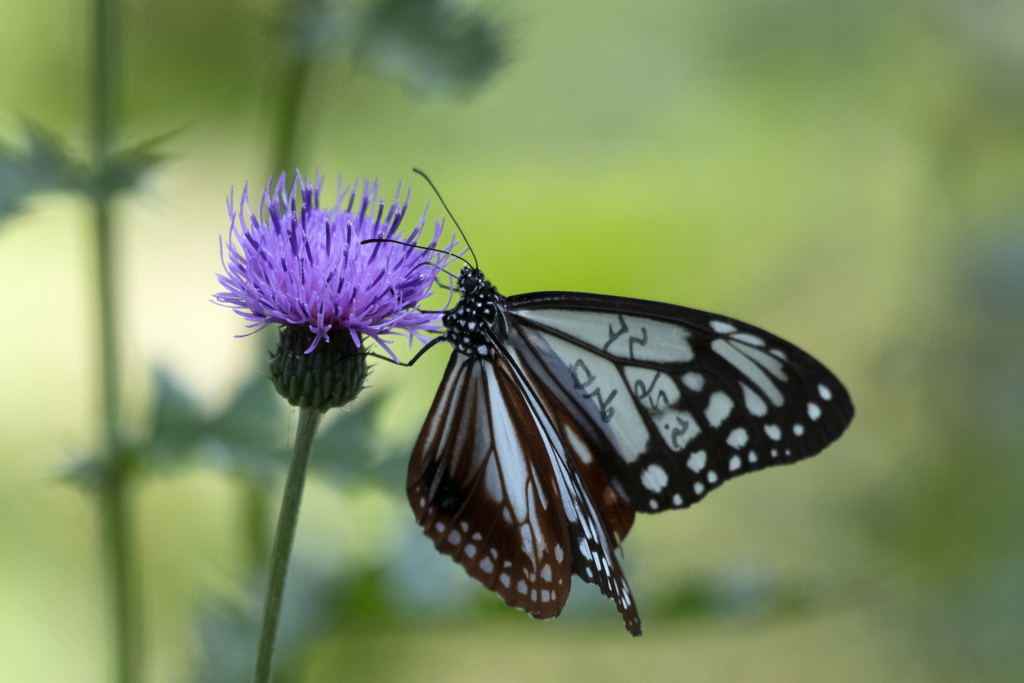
x=482, y=487
x=588, y=516
x=674, y=401
x=492, y=486
x=578, y=428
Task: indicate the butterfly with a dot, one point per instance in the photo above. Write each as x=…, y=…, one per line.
x=562, y=414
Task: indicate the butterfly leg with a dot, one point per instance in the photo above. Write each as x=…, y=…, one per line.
x=426, y=347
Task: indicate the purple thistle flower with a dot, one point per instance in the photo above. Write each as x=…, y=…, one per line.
x=298, y=264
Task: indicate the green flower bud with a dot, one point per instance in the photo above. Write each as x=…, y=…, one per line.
x=329, y=376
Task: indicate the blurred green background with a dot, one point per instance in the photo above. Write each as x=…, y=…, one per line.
x=848, y=175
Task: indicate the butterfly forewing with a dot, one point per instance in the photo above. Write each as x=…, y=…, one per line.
x=672, y=401
x=483, y=488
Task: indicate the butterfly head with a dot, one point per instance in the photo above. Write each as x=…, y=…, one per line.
x=481, y=309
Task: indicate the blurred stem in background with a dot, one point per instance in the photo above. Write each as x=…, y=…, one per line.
x=115, y=488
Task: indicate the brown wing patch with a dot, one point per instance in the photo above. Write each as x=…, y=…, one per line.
x=481, y=486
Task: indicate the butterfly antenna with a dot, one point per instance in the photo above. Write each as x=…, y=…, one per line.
x=379, y=240
x=432, y=187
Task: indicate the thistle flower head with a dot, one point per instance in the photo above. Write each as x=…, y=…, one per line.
x=295, y=263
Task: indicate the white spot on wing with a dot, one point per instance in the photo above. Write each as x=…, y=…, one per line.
x=735, y=463
x=487, y=565
x=521, y=586
x=506, y=580
x=813, y=411
x=577, y=445
x=738, y=438
x=712, y=477
x=654, y=504
x=824, y=392
x=719, y=407
x=751, y=457
x=722, y=327
x=773, y=431
x=798, y=429
x=754, y=403
x=694, y=381
x=748, y=338
x=677, y=428
x=470, y=551
x=698, y=488
x=454, y=537
x=558, y=553
x=677, y=499
x=654, y=478
x=545, y=573
x=697, y=460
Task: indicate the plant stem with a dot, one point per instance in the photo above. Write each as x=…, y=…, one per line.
x=283, y=540
x=114, y=503
x=286, y=128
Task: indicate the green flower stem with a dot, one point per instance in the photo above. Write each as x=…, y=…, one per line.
x=114, y=493
x=283, y=541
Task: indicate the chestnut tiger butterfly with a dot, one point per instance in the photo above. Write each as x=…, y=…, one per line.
x=561, y=414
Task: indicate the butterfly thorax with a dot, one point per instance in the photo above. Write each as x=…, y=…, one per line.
x=478, y=319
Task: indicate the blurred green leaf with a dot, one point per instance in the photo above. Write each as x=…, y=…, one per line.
x=230, y=631
x=250, y=437
x=126, y=168
x=178, y=425
x=433, y=47
x=315, y=27
x=349, y=450
x=43, y=166
x=87, y=473
x=367, y=595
